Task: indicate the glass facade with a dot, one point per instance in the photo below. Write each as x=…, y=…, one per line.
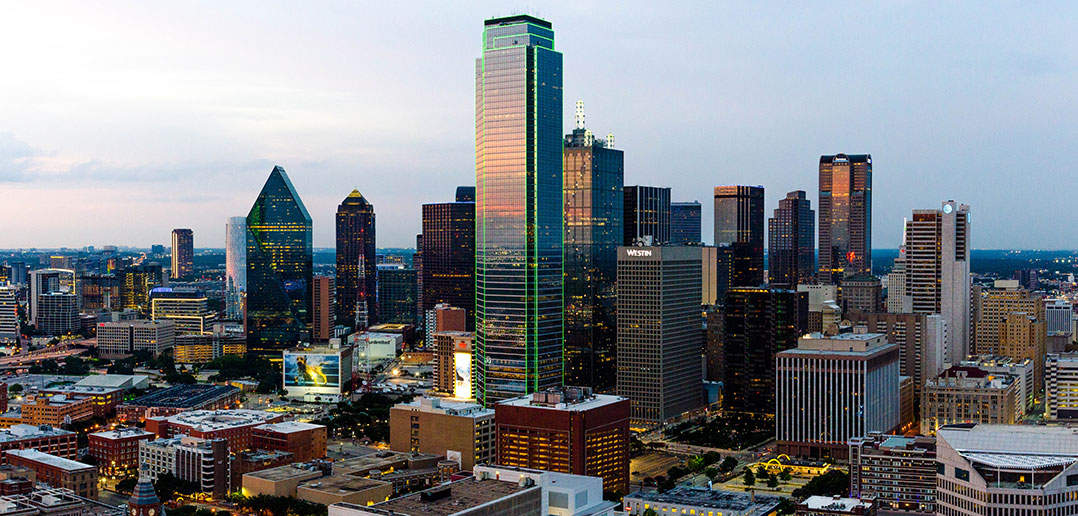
x=739, y=223
x=646, y=214
x=845, y=217
x=518, y=172
x=278, y=268
x=448, y=253
x=397, y=296
x=685, y=223
x=594, y=177
x=791, y=249
x=357, y=280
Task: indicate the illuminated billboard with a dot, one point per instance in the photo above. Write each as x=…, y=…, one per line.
x=312, y=370
x=462, y=374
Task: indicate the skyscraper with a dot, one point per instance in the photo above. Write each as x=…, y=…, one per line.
x=518, y=174
x=447, y=248
x=739, y=223
x=183, y=253
x=278, y=268
x=845, y=216
x=791, y=245
x=937, y=271
x=235, y=266
x=646, y=214
x=396, y=295
x=685, y=223
x=136, y=282
x=357, y=280
x=46, y=281
x=659, y=331
x=323, y=306
x=594, y=173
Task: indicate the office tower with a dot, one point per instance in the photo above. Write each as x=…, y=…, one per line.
x=357, y=280
x=791, y=242
x=921, y=340
x=136, y=282
x=1022, y=337
x=593, y=193
x=646, y=215
x=1028, y=278
x=188, y=308
x=964, y=394
x=861, y=293
x=1059, y=324
x=9, y=316
x=834, y=388
x=122, y=338
x=1023, y=370
x=710, y=273
x=324, y=290
x=1061, y=387
x=898, y=299
x=397, y=295
x=447, y=249
x=44, y=281
x=685, y=223
x=568, y=430
x=659, y=337
x=713, y=333
x=97, y=292
x=1006, y=297
x=1006, y=470
x=57, y=313
x=443, y=427
x=845, y=216
x=518, y=175
x=757, y=324
x=739, y=223
x=19, y=274
x=898, y=471
x=278, y=268
x=235, y=267
x=937, y=270
x=183, y=253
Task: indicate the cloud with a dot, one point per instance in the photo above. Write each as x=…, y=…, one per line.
x=16, y=157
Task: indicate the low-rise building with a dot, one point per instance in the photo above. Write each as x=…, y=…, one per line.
x=105, y=399
x=203, y=461
x=459, y=430
x=898, y=472
x=122, y=338
x=1022, y=370
x=700, y=501
x=56, y=410
x=256, y=460
x=835, y=506
x=116, y=451
x=236, y=426
x=968, y=395
x=199, y=349
x=1061, y=386
x=57, y=471
x=179, y=398
x=43, y=438
x=305, y=441
x=371, y=346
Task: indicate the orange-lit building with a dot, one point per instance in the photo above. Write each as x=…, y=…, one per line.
x=305, y=441
x=105, y=399
x=43, y=438
x=568, y=430
x=57, y=471
x=116, y=451
x=56, y=410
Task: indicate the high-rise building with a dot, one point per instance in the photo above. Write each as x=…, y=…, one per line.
x=97, y=292
x=1028, y=278
x=964, y=394
x=447, y=248
x=758, y=323
x=898, y=300
x=1005, y=298
x=1006, y=469
x=57, y=313
x=834, y=388
x=845, y=216
x=9, y=316
x=646, y=215
x=397, y=291
x=357, y=279
x=593, y=192
x=921, y=340
x=739, y=223
x=791, y=242
x=279, y=254
x=685, y=223
x=235, y=267
x=519, y=222
x=183, y=253
x=1061, y=387
x=136, y=282
x=188, y=308
x=898, y=471
x=453, y=364
x=937, y=270
x=45, y=281
x=457, y=429
x=659, y=331
x=324, y=291
x=568, y=430
x=861, y=293
x=1059, y=324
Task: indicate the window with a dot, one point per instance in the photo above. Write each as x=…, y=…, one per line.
x=961, y=474
x=559, y=500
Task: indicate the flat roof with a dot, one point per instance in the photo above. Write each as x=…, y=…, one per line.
x=595, y=401
x=20, y=432
x=341, y=484
x=712, y=499
x=113, y=380
x=1011, y=439
x=463, y=495
x=81, y=389
x=208, y=420
x=184, y=396
x=121, y=433
x=288, y=427
x=834, y=503
x=51, y=460
x=286, y=472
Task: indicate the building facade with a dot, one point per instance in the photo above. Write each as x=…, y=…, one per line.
x=397, y=295
x=845, y=216
x=187, y=308
x=899, y=472
x=1061, y=387
x=448, y=250
x=739, y=223
x=235, y=268
x=646, y=215
x=357, y=280
x=969, y=395
x=459, y=430
x=324, y=305
x=685, y=223
x=791, y=242
x=183, y=253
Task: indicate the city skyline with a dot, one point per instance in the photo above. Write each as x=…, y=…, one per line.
x=131, y=137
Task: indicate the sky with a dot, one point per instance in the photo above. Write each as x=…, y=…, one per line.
x=120, y=121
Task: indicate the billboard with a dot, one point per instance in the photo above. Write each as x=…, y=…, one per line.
x=312, y=370
x=462, y=374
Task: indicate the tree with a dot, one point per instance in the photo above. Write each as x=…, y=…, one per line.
x=15, y=389
x=695, y=463
x=712, y=457
x=750, y=479
x=772, y=481
x=834, y=482
x=127, y=485
x=650, y=512
x=761, y=472
x=786, y=475
x=728, y=464
x=711, y=473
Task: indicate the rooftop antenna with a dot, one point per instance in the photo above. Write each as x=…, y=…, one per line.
x=580, y=114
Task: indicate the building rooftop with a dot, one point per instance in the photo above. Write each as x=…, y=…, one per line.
x=81, y=389
x=19, y=432
x=446, y=499
x=121, y=433
x=183, y=396
x=299, y=470
x=564, y=398
x=446, y=406
x=835, y=503
x=743, y=503
x=209, y=420
x=1046, y=441
x=51, y=460
x=336, y=485
x=288, y=427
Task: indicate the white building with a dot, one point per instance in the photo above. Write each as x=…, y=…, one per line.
x=1059, y=317
x=1061, y=386
x=126, y=337
x=9, y=316
x=1006, y=470
x=372, y=346
x=700, y=501
x=44, y=281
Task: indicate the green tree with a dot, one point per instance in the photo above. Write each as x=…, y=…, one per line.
x=15, y=389
x=728, y=464
x=750, y=479
x=772, y=481
x=786, y=475
x=834, y=482
x=650, y=512
x=127, y=485
x=695, y=463
x=711, y=473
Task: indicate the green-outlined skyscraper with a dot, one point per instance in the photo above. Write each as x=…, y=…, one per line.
x=278, y=268
x=518, y=176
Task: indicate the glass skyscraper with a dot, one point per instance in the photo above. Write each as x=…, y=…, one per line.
x=447, y=250
x=357, y=280
x=594, y=177
x=646, y=214
x=845, y=217
x=685, y=223
x=739, y=223
x=518, y=173
x=791, y=249
x=278, y=268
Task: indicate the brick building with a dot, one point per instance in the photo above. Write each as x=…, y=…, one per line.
x=236, y=426
x=116, y=451
x=179, y=398
x=43, y=438
x=57, y=471
x=441, y=427
x=305, y=441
